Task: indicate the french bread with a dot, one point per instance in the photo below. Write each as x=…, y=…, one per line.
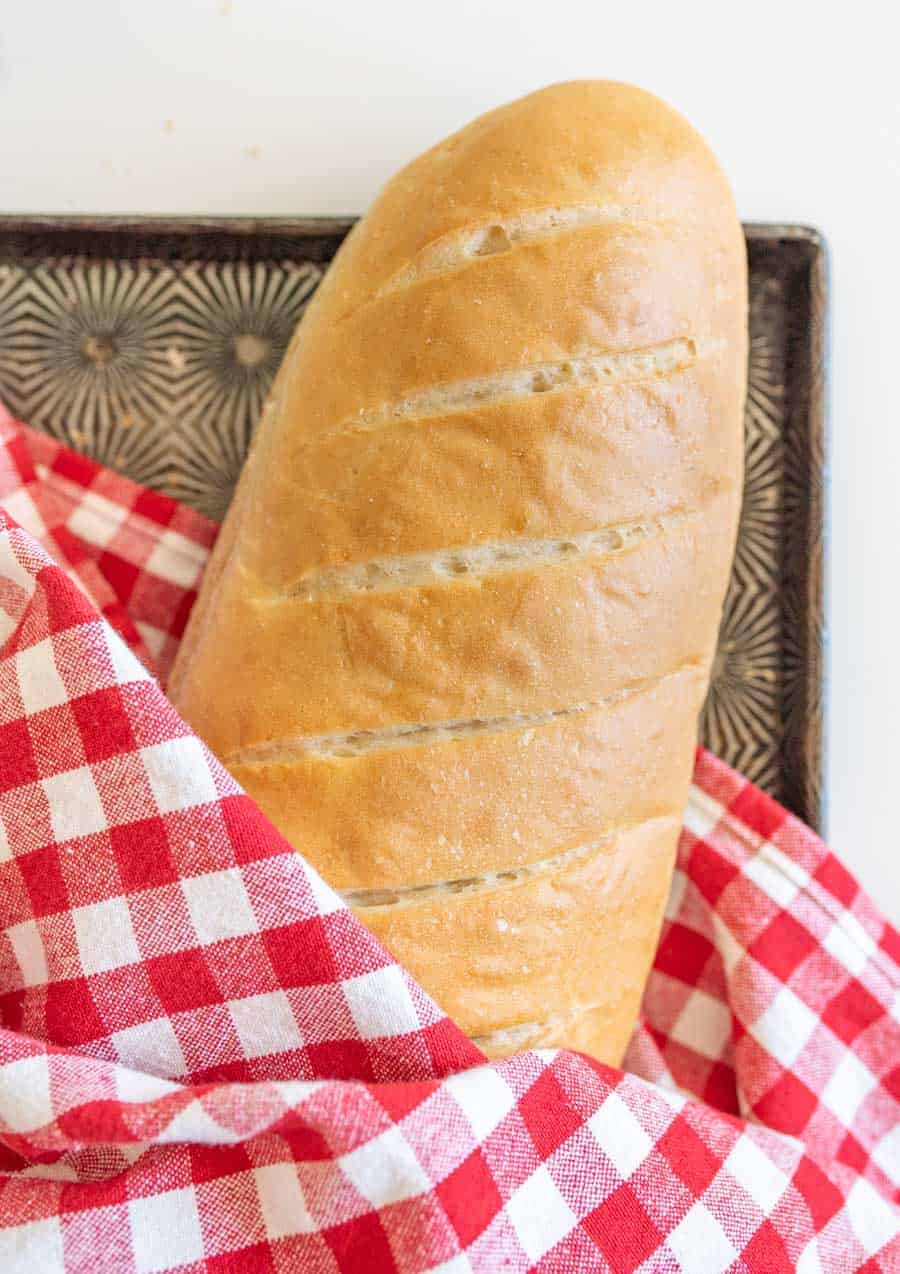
x=458, y=625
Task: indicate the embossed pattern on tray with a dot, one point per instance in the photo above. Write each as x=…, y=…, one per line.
x=151, y=345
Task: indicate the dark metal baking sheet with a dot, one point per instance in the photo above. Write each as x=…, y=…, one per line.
x=150, y=344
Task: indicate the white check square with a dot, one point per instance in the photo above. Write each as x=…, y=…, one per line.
x=265, y=1024
x=459, y=1264
x=97, y=520
x=151, y=1046
x=177, y=559
x=40, y=684
x=757, y=1174
x=849, y=943
x=25, y=1103
x=703, y=813
x=704, y=1025
x=126, y=666
x=28, y=946
x=873, y=1219
x=20, y=506
x=785, y=1028
x=808, y=1261
x=385, y=1170
x=381, y=1003
x=768, y=874
x=539, y=1214
x=194, y=1123
x=620, y=1136
x=887, y=1153
x=219, y=905
x=483, y=1096
x=165, y=1230
x=179, y=774
x=75, y=805
x=847, y=1089
x=33, y=1248
x=327, y=901
x=700, y=1243
x=282, y=1201
x=135, y=1086
x=105, y=937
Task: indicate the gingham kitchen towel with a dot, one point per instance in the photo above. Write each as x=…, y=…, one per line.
x=206, y=1063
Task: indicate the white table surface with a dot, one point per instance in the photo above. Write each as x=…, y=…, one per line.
x=267, y=106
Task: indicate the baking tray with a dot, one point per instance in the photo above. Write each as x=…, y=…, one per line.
x=150, y=344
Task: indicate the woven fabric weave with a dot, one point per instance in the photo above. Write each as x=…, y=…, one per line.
x=207, y=1063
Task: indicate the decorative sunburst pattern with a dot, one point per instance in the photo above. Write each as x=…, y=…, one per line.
x=742, y=718
x=156, y=359
x=89, y=341
x=156, y=368
x=765, y=385
x=764, y=710
x=234, y=326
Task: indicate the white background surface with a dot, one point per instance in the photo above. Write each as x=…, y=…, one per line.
x=267, y=106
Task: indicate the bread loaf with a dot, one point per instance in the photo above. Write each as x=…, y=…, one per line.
x=458, y=626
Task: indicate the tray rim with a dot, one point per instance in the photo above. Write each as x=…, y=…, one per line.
x=24, y=237
x=33, y=224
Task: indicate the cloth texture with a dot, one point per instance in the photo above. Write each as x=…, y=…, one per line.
x=208, y=1064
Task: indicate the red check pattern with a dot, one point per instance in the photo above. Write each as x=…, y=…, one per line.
x=207, y=1063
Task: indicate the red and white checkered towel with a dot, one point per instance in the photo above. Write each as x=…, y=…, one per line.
x=207, y=1063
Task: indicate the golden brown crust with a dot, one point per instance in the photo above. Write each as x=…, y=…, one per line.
x=482, y=802
x=526, y=641
x=542, y=950
x=536, y=339
x=569, y=460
